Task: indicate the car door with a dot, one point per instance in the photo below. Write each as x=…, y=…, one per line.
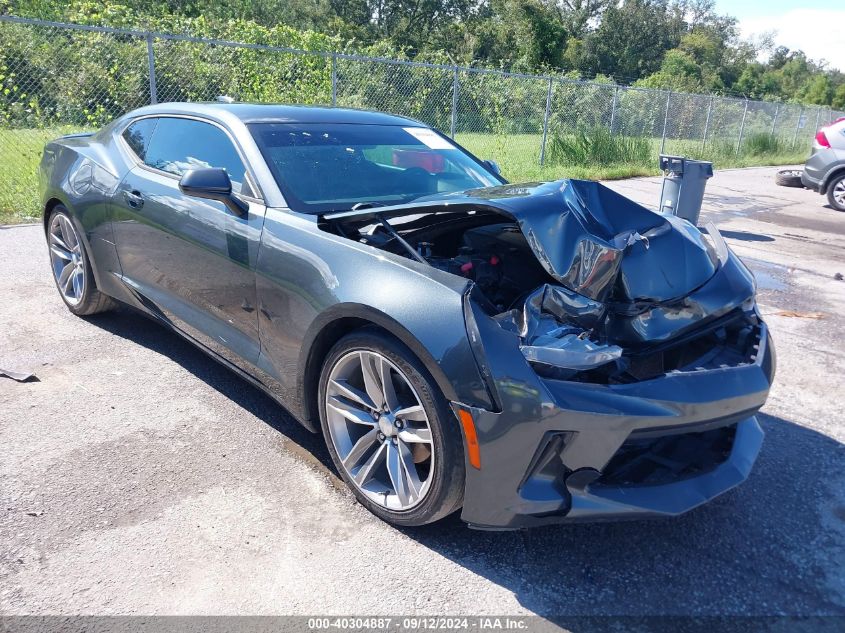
x=191, y=259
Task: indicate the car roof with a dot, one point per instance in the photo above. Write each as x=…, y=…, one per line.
x=276, y=113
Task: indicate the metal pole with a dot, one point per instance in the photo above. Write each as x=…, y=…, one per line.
x=775, y=120
x=665, y=120
x=546, y=123
x=797, y=127
x=613, y=107
x=707, y=123
x=151, y=67
x=334, y=80
x=454, y=101
x=742, y=127
x=818, y=114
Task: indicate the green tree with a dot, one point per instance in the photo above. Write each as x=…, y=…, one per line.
x=838, y=101
x=679, y=72
x=577, y=15
x=631, y=40
x=818, y=90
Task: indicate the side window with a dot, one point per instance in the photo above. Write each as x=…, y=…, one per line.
x=179, y=145
x=138, y=134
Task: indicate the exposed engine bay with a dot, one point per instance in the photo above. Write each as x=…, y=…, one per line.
x=596, y=287
x=495, y=256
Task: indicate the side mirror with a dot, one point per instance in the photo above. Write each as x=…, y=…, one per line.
x=493, y=166
x=212, y=184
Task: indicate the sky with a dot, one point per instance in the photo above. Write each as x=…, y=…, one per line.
x=815, y=26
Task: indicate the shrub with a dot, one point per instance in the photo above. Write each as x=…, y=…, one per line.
x=761, y=144
x=598, y=146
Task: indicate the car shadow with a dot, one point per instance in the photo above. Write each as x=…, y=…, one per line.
x=758, y=550
x=769, y=547
x=134, y=326
x=745, y=236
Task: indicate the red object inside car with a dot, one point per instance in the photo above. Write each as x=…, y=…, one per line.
x=431, y=162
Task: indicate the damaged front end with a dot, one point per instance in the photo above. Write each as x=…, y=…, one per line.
x=622, y=348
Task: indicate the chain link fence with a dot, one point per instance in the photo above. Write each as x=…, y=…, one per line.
x=57, y=79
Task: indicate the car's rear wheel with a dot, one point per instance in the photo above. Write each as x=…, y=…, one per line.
x=789, y=178
x=836, y=193
x=72, y=268
x=389, y=431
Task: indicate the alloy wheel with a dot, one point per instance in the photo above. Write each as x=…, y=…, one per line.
x=380, y=430
x=839, y=193
x=66, y=258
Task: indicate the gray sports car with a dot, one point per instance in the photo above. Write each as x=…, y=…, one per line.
x=529, y=353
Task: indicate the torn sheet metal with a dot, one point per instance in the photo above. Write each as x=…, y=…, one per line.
x=549, y=328
x=642, y=323
x=549, y=306
x=565, y=348
x=597, y=242
x=635, y=316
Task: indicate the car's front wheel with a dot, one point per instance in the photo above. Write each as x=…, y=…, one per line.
x=836, y=193
x=389, y=431
x=72, y=268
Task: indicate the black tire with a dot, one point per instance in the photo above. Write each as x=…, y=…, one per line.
x=789, y=178
x=92, y=301
x=445, y=494
x=832, y=193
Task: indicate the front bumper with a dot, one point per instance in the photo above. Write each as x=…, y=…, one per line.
x=543, y=456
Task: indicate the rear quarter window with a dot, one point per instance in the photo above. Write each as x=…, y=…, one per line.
x=138, y=134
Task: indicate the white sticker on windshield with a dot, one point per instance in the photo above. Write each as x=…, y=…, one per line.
x=429, y=138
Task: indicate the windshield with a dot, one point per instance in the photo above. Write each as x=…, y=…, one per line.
x=324, y=167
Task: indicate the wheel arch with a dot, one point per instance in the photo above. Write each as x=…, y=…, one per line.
x=831, y=176
x=334, y=324
x=51, y=204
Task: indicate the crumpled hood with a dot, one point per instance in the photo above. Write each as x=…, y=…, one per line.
x=634, y=276
x=594, y=241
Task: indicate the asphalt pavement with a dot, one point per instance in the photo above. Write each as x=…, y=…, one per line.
x=137, y=476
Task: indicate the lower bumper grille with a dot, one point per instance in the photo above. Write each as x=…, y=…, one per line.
x=660, y=460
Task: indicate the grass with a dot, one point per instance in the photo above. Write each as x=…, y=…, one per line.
x=598, y=147
x=20, y=153
x=518, y=155
x=588, y=154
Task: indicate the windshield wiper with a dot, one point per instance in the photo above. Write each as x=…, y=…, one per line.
x=358, y=206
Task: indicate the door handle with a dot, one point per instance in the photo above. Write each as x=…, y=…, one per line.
x=134, y=199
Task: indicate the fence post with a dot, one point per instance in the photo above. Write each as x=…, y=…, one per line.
x=797, y=127
x=613, y=107
x=707, y=122
x=334, y=79
x=151, y=67
x=665, y=120
x=775, y=120
x=454, y=101
x=546, y=122
x=818, y=115
x=742, y=127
